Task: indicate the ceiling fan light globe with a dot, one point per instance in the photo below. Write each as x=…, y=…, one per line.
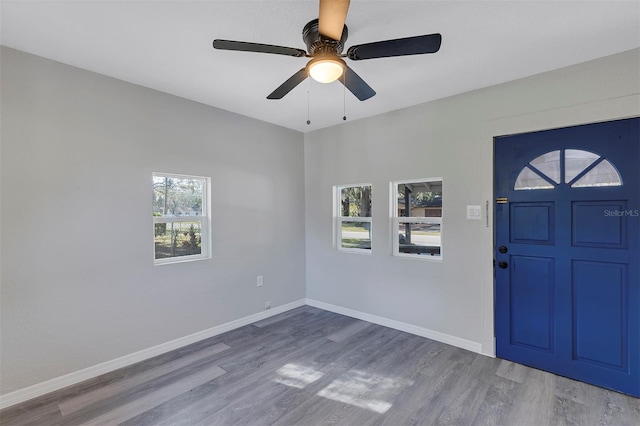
x=326, y=70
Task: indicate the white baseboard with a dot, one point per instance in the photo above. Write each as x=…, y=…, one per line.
x=402, y=326
x=57, y=383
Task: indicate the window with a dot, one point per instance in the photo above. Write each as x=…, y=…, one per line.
x=180, y=218
x=581, y=169
x=417, y=218
x=353, y=218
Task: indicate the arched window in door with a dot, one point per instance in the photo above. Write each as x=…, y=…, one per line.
x=574, y=167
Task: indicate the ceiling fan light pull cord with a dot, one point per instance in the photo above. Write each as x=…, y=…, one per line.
x=344, y=97
x=308, y=102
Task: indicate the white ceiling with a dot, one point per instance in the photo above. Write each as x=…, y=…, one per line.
x=167, y=45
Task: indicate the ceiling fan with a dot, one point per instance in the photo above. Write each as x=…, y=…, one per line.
x=325, y=38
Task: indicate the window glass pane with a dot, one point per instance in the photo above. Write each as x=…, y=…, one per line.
x=528, y=179
x=176, y=239
x=356, y=235
x=424, y=199
x=549, y=164
x=603, y=174
x=174, y=196
x=419, y=238
x=575, y=161
x=355, y=201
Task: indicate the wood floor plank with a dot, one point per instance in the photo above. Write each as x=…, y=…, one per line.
x=498, y=401
x=247, y=367
x=468, y=394
x=153, y=399
x=611, y=408
x=348, y=331
x=77, y=403
x=47, y=414
x=533, y=403
x=366, y=386
x=389, y=378
x=281, y=317
x=419, y=403
x=312, y=367
x=512, y=371
x=324, y=363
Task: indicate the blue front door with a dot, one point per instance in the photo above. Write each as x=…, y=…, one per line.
x=567, y=252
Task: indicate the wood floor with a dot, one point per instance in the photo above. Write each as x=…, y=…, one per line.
x=312, y=367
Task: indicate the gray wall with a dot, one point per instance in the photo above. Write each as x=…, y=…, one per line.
x=451, y=138
x=78, y=282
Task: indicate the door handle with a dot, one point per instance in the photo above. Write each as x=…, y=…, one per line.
x=503, y=249
x=503, y=265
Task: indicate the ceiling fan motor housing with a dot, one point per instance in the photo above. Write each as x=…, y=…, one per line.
x=318, y=45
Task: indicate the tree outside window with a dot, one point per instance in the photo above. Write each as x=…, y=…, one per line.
x=180, y=217
x=353, y=218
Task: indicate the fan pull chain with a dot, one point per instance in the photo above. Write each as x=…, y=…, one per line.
x=308, y=101
x=344, y=97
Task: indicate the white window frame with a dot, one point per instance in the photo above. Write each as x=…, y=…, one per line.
x=339, y=219
x=204, y=219
x=396, y=221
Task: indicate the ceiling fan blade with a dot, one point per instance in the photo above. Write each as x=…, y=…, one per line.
x=356, y=85
x=288, y=85
x=244, y=46
x=417, y=45
x=331, y=18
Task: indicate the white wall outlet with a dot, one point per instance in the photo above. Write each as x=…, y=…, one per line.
x=259, y=281
x=267, y=305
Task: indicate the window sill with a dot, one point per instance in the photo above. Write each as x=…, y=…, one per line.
x=355, y=251
x=174, y=260
x=427, y=258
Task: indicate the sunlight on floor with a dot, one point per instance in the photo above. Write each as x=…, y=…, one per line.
x=297, y=376
x=365, y=390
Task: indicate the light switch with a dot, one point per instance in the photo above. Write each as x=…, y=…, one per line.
x=474, y=213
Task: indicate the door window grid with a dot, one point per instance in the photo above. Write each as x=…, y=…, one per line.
x=581, y=169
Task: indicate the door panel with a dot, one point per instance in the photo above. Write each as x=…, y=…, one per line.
x=567, y=240
x=591, y=227
x=531, y=223
x=531, y=300
x=599, y=288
